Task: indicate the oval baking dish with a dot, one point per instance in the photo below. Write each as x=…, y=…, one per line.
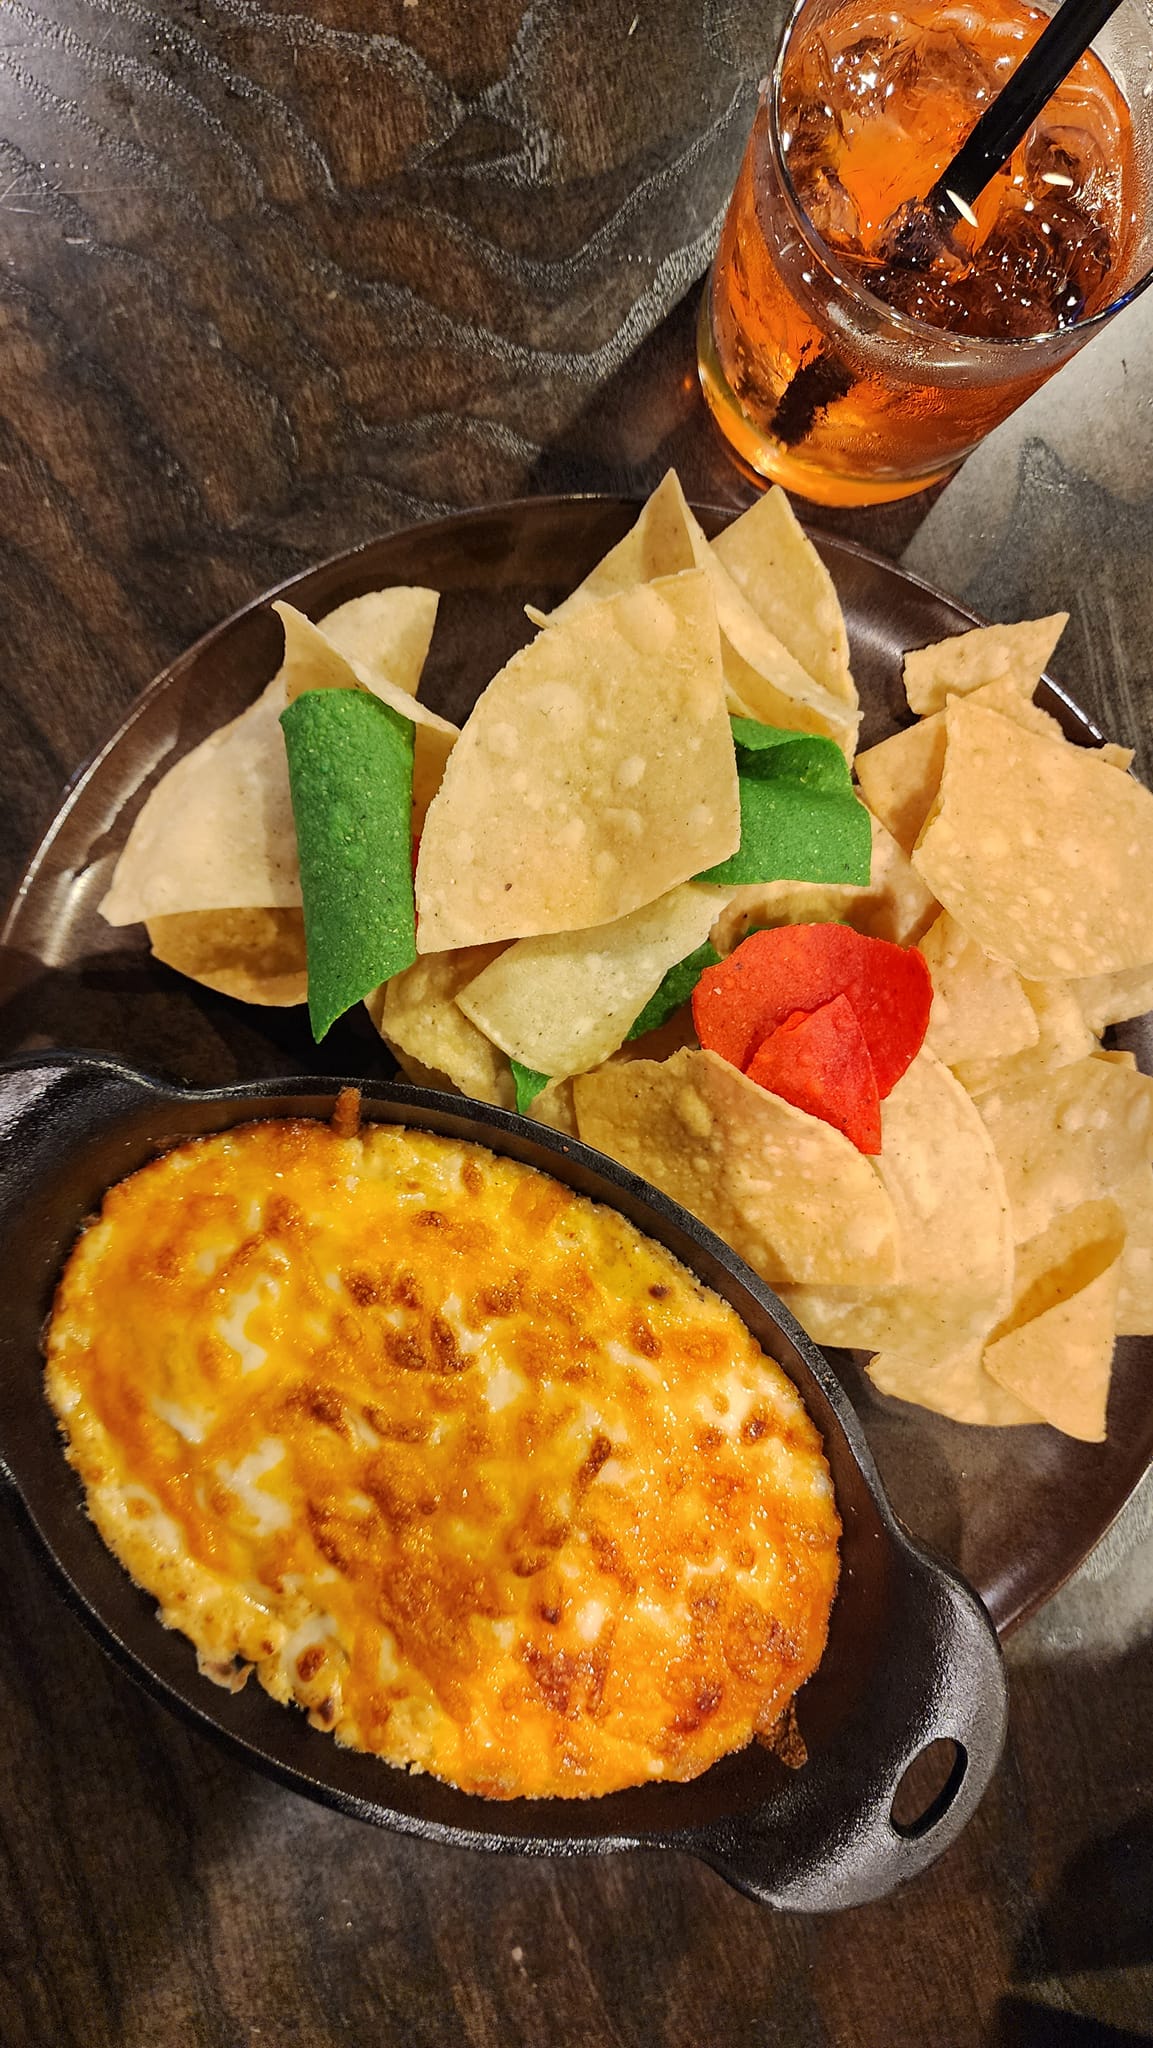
x=911, y=1656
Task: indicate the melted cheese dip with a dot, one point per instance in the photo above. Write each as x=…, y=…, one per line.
x=460, y=1461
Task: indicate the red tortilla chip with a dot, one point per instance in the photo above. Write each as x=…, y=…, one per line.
x=801, y=967
x=821, y=1063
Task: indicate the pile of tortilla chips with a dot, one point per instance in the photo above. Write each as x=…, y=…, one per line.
x=580, y=848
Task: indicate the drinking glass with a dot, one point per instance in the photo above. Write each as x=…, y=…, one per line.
x=822, y=386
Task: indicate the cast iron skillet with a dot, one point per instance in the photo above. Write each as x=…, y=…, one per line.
x=912, y=1656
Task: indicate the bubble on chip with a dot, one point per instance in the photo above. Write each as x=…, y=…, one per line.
x=788, y=1192
x=255, y=955
x=562, y=1003
x=1071, y=1135
x=217, y=831
x=900, y=777
x=385, y=635
x=312, y=662
x=416, y=1014
x=1017, y=654
x=596, y=773
x=954, y=1242
x=980, y=1008
x=1042, y=852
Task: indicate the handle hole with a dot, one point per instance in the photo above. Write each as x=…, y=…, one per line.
x=928, y=1787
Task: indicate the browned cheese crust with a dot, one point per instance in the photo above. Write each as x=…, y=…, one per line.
x=465, y=1465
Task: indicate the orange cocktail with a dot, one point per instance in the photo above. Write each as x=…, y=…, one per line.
x=853, y=362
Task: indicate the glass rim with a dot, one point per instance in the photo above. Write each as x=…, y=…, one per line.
x=907, y=324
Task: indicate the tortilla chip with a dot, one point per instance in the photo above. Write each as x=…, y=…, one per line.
x=900, y=778
x=567, y=801
x=763, y=680
x=1018, y=655
x=1135, y=1298
x=1072, y=1135
x=660, y=543
x=1062, y=1037
x=417, y=1016
x=554, y=1106
x=217, y=832
x=561, y=1004
x=1042, y=852
x=980, y=1008
x=954, y=1242
x=957, y=1386
x=1060, y=1362
x=385, y=635
x=894, y=904
x=781, y=576
x=255, y=955
x=1113, y=998
x=789, y=1193
x=1063, y=1258
x=311, y=662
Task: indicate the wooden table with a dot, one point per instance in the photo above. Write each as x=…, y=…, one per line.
x=278, y=275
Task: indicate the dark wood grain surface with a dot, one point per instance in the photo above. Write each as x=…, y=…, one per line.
x=274, y=278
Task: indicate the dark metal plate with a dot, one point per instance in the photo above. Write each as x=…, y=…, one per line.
x=1017, y=1510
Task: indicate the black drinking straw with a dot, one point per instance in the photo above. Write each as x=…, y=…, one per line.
x=819, y=382
x=1016, y=107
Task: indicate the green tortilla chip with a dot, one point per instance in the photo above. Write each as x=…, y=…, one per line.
x=350, y=772
x=675, y=989
x=529, y=1084
x=800, y=820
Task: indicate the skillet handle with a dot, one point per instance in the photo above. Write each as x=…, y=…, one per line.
x=829, y=1840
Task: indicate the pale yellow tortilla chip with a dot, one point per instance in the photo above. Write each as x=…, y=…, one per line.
x=311, y=662
x=1060, y=1362
x=661, y=542
x=1113, y=998
x=954, y=1242
x=980, y=1008
x=417, y=1015
x=217, y=831
x=1117, y=757
x=385, y=635
x=779, y=573
x=1068, y=1256
x=901, y=776
x=554, y=1106
x=789, y=1193
x=596, y=773
x=1135, y=1297
x=1042, y=852
x=1017, y=654
x=1063, y=1258
x=255, y=955
x=894, y=904
x=562, y=1003
x=1062, y=1037
x=957, y=1386
x=763, y=680
x=1072, y=1135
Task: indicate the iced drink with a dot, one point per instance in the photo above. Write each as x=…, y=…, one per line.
x=847, y=350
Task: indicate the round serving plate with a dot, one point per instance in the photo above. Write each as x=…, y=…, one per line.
x=1017, y=1509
